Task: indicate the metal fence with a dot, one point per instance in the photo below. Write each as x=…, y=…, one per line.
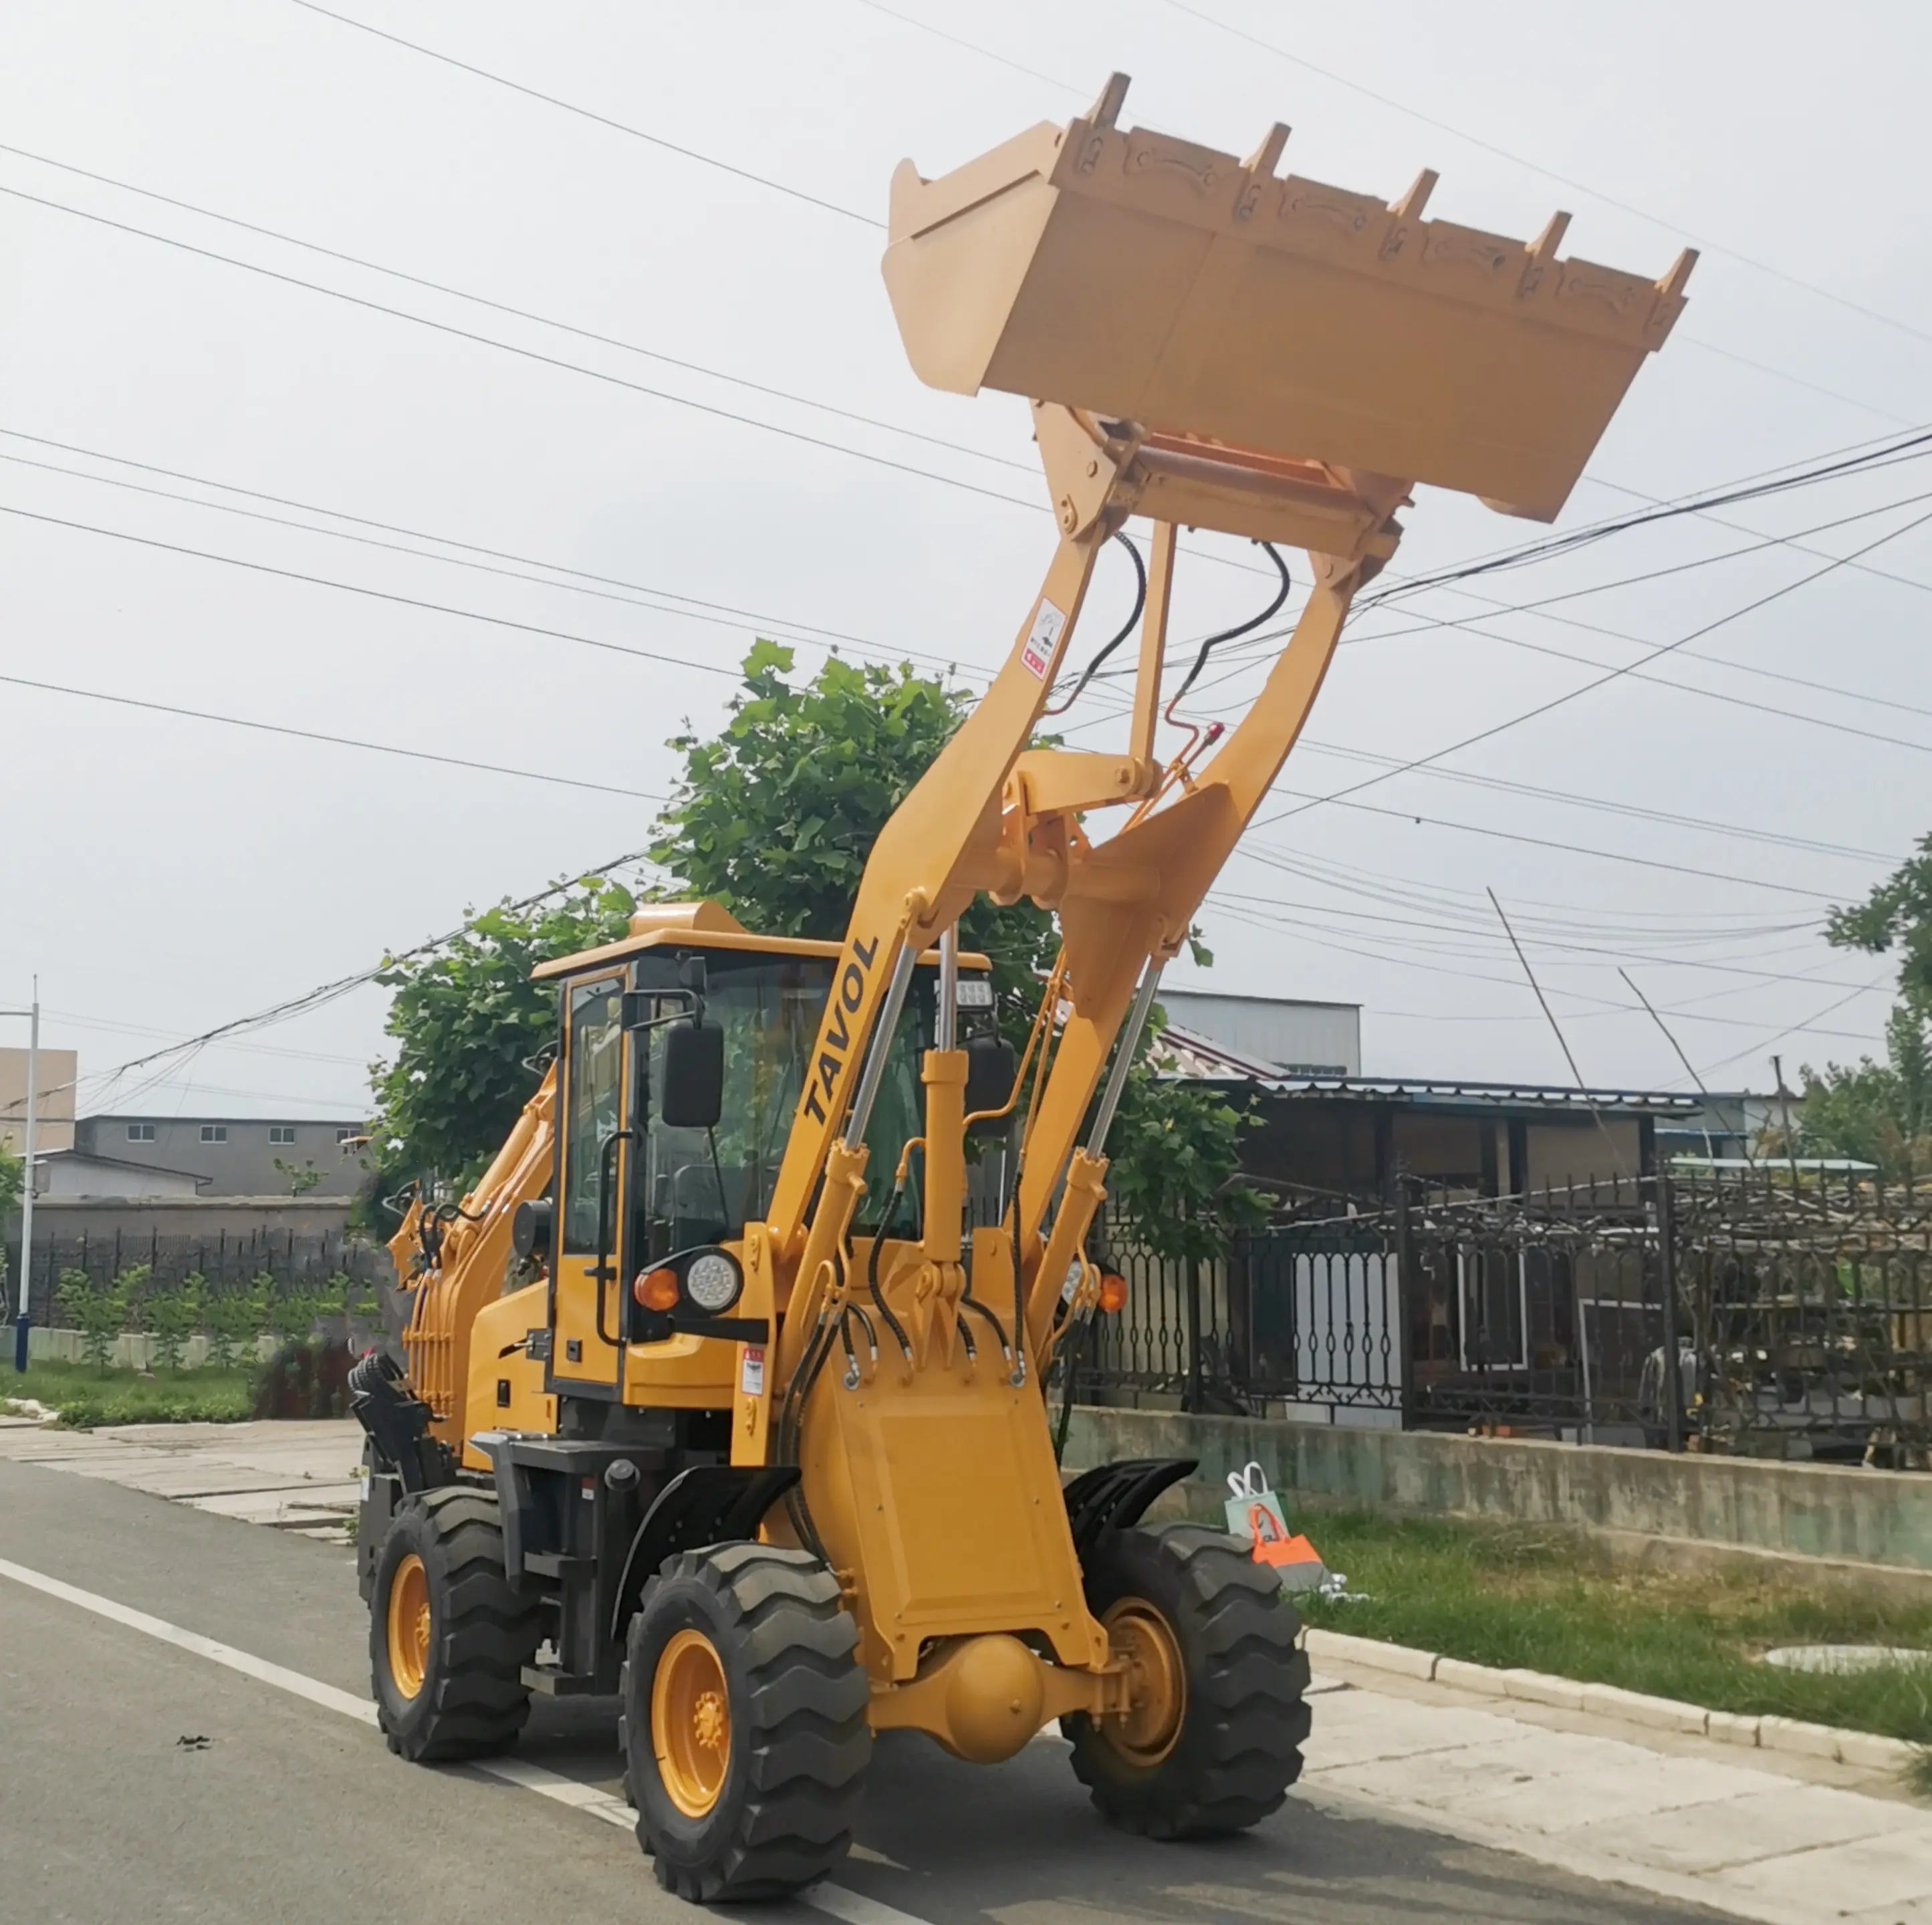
x=1799, y=1315
x=293, y=1259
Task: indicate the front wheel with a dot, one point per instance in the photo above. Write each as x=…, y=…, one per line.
x=1214, y=1738
x=449, y=1634
x=745, y=1731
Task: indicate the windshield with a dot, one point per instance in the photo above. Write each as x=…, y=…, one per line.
x=701, y=1186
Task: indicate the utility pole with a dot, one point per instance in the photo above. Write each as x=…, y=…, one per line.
x=32, y=1013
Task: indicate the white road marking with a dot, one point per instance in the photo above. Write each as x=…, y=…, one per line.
x=838, y=1901
x=312, y=1689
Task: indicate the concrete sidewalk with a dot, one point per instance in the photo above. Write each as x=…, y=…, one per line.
x=1785, y=1839
x=1782, y=1838
x=293, y=1476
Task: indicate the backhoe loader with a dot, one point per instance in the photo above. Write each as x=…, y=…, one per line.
x=717, y=1398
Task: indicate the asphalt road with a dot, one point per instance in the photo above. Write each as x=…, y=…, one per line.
x=140, y=1782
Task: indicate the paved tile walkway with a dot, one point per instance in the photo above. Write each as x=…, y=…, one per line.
x=1770, y=1836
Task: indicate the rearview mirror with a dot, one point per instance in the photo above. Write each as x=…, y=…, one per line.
x=693, y=1095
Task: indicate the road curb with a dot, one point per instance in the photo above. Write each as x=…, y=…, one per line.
x=1864, y=1749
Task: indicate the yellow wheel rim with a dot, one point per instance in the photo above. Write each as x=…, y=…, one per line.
x=409, y=1626
x=1156, y=1683
x=690, y=1723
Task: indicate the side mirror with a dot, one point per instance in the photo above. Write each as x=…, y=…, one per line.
x=990, y=1068
x=530, y=1229
x=692, y=1096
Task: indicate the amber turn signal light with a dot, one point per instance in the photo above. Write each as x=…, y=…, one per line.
x=656, y=1290
x=1113, y=1292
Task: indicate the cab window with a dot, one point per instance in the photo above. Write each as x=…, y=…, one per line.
x=594, y=1102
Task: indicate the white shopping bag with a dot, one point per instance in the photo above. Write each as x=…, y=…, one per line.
x=1254, y=1511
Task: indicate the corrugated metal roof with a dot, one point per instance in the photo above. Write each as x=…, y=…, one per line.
x=1180, y=1052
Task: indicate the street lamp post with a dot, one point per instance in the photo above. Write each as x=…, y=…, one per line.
x=33, y=1016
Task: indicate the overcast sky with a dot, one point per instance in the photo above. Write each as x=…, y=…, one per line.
x=164, y=874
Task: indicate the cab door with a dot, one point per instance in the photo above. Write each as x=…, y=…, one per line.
x=596, y=1146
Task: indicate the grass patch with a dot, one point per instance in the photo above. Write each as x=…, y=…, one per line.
x=1509, y=1595
x=88, y=1398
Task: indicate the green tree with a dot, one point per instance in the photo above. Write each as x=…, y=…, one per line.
x=169, y=1314
x=12, y=1175
x=1895, y=918
x=465, y=1019
x=235, y=1319
x=1175, y=1154
x=1882, y=1112
x=300, y=1178
x=775, y=815
x=774, y=818
x=101, y=1312
x=1878, y=1112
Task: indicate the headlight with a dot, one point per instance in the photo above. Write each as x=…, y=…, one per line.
x=712, y=1282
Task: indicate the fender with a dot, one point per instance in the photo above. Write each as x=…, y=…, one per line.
x=710, y=1504
x=1112, y=1497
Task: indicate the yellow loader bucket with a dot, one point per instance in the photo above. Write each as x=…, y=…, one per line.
x=1143, y=278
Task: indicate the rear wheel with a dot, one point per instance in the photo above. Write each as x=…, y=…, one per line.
x=745, y=1728
x=1214, y=1738
x=449, y=1635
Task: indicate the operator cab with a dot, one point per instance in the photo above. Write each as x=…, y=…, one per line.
x=684, y=1052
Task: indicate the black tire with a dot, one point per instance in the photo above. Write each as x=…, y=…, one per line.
x=1243, y=1719
x=793, y=1767
x=472, y=1699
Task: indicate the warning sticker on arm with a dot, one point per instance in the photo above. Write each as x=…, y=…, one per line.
x=1042, y=637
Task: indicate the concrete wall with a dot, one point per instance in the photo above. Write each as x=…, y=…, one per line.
x=62, y=1219
x=131, y=1350
x=1810, y=1510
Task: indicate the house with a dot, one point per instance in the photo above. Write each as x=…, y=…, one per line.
x=1728, y=1124
x=235, y=1156
x=67, y=1173
x=1293, y=1036
x=1353, y=1137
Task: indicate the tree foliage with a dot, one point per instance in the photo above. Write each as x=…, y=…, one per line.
x=1878, y=1112
x=775, y=815
x=12, y=1182
x=1175, y=1154
x=1896, y=919
x=774, y=818
x=1882, y=1112
x=466, y=1018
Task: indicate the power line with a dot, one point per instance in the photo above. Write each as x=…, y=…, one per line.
x=329, y=992
x=1563, y=180
x=1615, y=674
x=811, y=636
x=803, y=634
x=1570, y=800
x=520, y=313
x=523, y=353
x=1764, y=1042
x=375, y=594
x=335, y=741
x=1343, y=799
x=590, y=114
